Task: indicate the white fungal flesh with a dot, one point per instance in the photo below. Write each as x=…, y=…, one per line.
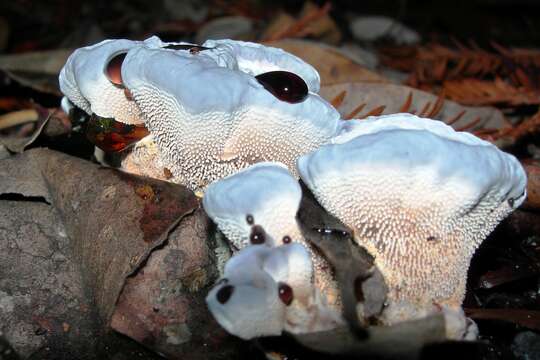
x=255, y=59
x=419, y=196
x=266, y=192
x=254, y=307
x=210, y=119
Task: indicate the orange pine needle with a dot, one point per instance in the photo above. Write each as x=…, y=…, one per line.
x=355, y=112
x=456, y=118
x=469, y=125
x=437, y=106
x=407, y=104
x=338, y=99
x=375, y=112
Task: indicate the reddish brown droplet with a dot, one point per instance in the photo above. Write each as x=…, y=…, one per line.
x=114, y=69
x=286, y=239
x=257, y=235
x=285, y=293
x=113, y=136
x=224, y=294
x=167, y=173
x=284, y=85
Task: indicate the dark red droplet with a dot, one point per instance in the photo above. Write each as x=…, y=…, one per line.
x=224, y=294
x=113, y=69
x=113, y=136
x=284, y=85
x=258, y=235
x=285, y=293
x=249, y=219
x=286, y=239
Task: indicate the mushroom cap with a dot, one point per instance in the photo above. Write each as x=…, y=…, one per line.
x=211, y=119
x=84, y=82
x=254, y=59
x=419, y=196
x=265, y=192
x=247, y=301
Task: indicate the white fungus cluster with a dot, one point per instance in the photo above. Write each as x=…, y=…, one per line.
x=206, y=110
x=256, y=210
x=419, y=196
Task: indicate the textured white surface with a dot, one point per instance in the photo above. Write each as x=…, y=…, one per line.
x=419, y=196
x=267, y=192
x=211, y=120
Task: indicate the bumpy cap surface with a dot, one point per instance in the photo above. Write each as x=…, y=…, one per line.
x=419, y=196
x=256, y=205
x=211, y=117
x=259, y=285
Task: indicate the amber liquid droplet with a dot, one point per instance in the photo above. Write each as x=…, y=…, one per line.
x=114, y=69
x=113, y=136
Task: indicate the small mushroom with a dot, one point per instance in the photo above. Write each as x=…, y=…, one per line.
x=420, y=197
x=210, y=119
x=256, y=205
x=267, y=290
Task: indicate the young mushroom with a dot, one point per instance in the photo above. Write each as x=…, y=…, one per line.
x=257, y=205
x=210, y=119
x=266, y=290
x=420, y=198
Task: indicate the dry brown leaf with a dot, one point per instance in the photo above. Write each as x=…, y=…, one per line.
x=482, y=92
x=37, y=70
x=395, y=97
x=333, y=66
x=533, y=185
x=313, y=22
x=113, y=222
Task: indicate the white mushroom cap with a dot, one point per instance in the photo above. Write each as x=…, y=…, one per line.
x=255, y=59
x=247, y=301
x=84, y=82
x=419, y=196
x=210, y=119
x=265, y=195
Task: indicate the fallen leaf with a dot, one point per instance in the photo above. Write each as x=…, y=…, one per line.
x=522, y=317
x=37, y=70
x=333, y=66
x=394, y=96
